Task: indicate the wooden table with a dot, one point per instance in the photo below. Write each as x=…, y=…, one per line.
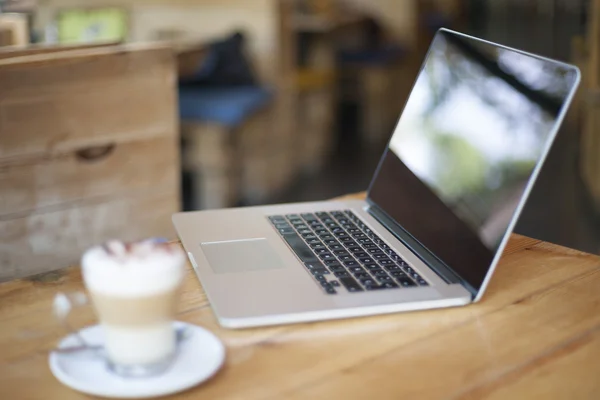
x=536, y=334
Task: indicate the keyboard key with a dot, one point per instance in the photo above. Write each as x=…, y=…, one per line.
x=346, y=239
x=362, y=275
x=303, y=231
x=321, y=232
x=316, y=224
x=322, y=215
x=386, y=263
x=351, y=263
x=406, y=282
x=362, y=254
x=398, y=274
x=392, y=267
x=375, y=250
x=379, y=273
x=389, y=285
x=380, y=256
x=300, y=248
x=336, y=268
x=286, y=231
x=320, y=278
x=384, y=278
x=292, y=216
x=321, y=250
x=327, y=256
x=365, y=260
x=346, y=258
x=372, y=266
x=325, y=284
x=350, y=243
x=359, y=235
x=314, y=241
x=343, y=221
x=328, y=221
x=308, y=216
x=314, y=266
x=341, y=235
x=330, y=290
x=308, y=236
x=341, y=274
x=342, y=252
x=275, y=218
x=383, y=245
x=336, y=246
x=330, y=241
x=326, y=236
x=415, y=276
x=350, y=284
x=301, y=226
x=354, y=230
x=355, y=249
x=357, y=270
x=422, y=282
x=368, y=282
x=320, y=271
x=334, y=283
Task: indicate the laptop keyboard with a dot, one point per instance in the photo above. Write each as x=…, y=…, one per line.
x=339, y=250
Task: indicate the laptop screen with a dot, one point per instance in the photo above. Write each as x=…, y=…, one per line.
x=477, y=122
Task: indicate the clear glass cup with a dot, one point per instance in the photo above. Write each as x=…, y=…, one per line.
x=134, y=289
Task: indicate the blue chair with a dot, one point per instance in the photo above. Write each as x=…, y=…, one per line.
x=215, y=123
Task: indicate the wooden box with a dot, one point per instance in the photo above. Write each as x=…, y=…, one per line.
x=88, y=152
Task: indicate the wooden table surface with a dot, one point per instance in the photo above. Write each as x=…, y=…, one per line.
x=536, y=334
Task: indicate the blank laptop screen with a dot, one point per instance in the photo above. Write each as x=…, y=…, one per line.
x=476, y=124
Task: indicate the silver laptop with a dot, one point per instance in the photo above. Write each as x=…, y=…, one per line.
x=449, y=188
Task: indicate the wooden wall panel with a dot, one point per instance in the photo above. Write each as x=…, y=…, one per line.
x=52, y=111
x=43, y=242
x=70, y=177
x=89, y=151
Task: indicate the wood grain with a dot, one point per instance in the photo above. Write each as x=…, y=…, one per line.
x=62, y=179
x=46, y=241
x=89, y=150
x=81, y=98
x=36, y=49
x=535, y=334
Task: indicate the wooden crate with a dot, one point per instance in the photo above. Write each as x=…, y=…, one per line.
x=88, y=152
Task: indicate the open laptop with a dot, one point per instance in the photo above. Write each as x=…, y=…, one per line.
x=449, y=188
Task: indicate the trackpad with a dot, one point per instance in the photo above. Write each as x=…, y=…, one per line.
x=241, y=256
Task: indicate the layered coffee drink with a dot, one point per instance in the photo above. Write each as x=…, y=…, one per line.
x=134, y=289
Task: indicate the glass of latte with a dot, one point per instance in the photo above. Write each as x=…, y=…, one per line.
x=134, y=289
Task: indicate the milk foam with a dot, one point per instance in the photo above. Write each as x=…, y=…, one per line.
x=133, y=270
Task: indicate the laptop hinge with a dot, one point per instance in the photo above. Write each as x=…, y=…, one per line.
x=442, y=270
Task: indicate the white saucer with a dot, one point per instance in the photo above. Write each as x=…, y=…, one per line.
x=200, y=356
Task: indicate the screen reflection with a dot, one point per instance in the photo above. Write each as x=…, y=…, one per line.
x=474, y=127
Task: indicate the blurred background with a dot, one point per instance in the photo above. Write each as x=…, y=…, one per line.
x=115, y=114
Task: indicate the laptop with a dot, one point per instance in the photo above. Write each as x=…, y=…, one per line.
x=472, y=137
